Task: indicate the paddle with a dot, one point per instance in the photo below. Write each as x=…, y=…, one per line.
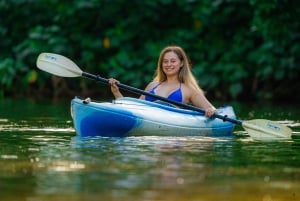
x=258, y=129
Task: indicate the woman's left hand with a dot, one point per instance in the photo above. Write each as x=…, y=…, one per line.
x=210, y=111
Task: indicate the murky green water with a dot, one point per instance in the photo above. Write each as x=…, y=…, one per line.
x=41, y=159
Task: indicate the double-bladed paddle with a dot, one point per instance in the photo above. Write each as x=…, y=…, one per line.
x=258, y=129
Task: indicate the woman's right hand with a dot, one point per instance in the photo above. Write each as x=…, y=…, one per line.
x=114, y=88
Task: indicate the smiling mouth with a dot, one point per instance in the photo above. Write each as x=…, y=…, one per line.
x=169, y=68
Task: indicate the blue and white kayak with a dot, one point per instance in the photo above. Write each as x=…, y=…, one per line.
x=135, y=117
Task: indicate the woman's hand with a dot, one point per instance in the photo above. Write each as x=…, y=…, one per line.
x=112, y=83
x=114, y=88
x=210, y=111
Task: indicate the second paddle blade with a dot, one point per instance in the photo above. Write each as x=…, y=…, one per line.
x=261, y=129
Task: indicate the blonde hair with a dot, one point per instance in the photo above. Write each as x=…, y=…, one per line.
x=185, y=74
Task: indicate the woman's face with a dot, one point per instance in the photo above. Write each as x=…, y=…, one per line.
x=171, y=64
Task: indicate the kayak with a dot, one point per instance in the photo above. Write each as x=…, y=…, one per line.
x=135, y=117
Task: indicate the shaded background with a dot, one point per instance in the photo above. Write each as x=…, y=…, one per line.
x=240, y=50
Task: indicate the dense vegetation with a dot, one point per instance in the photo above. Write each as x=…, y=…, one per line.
x=240, y=49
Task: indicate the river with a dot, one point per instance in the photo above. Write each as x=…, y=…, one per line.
x=42, y=159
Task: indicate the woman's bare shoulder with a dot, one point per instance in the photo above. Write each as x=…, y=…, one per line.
x=186, y=89
x=190, y=92
x=151, y=85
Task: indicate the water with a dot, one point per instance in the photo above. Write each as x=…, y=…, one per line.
x=42, y=159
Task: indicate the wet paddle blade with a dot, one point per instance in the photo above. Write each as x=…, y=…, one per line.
x=58, y=65
x=261, y=129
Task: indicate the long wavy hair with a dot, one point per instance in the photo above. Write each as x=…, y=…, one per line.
x=185, y=74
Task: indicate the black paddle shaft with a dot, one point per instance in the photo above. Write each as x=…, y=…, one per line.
x=139, y=91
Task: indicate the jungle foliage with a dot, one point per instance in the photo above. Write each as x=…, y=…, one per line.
x=240, y=49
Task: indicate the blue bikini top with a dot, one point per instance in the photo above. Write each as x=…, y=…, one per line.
x=175, y=95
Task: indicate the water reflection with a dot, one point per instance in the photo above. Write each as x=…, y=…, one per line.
x=103, y=164
x=147, y=167
x=35, y=126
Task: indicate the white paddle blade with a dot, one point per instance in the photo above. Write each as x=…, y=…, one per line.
x=266, y=130
x=58, y=65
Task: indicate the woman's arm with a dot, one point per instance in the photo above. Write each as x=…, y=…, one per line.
x=198, y=99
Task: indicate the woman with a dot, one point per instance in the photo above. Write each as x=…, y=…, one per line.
x=173, y=80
